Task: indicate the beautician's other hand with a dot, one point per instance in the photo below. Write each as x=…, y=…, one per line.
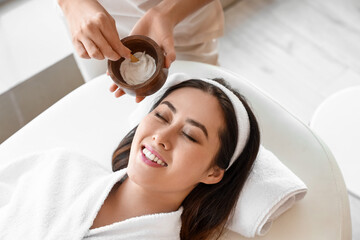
x=93, y=30
x=118, y=92
x=156, y=25
x=159, y=22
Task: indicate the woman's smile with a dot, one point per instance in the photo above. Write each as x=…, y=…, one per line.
x=152, y=158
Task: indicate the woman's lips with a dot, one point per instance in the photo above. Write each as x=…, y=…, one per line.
x=151, y=155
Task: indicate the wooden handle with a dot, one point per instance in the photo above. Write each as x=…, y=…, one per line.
x=133, y=58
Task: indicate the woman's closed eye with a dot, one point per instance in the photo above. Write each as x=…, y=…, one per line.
x=189, y=137
x=164, y=119
x=161, y=117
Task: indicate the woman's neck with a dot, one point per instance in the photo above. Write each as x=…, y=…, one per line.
x=127, y=200
x=132, y=200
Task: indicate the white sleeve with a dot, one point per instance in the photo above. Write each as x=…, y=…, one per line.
x=12, y=173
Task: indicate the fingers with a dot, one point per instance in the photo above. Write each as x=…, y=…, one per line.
x=96, y=46
x=115, y=43
x=80, y=49
x=104, y=47
x=91, y=48
x=169, y=58
x=170, y=54
x=99, y=39
x=113, y=87
x=119, y=93
x=139, y=99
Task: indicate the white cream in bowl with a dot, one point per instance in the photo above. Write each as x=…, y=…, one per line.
x=138, y=72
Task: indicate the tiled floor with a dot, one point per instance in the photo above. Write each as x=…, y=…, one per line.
x=300, y=52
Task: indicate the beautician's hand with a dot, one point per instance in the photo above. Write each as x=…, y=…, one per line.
x=156, y=25
x=159, y=22
x=118, y=92
x=93, y=30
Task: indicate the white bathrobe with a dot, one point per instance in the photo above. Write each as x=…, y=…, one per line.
x=57, y=195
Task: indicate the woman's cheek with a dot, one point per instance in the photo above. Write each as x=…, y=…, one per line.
x=145, y=125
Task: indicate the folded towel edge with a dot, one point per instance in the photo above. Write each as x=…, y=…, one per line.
x=263, y=224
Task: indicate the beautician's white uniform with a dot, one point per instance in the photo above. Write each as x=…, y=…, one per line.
x=195, y=37
x=57, y=194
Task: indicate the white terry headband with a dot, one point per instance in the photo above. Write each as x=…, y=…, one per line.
x=240, y=111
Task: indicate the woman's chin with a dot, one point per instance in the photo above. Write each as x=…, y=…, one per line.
x=141, y=172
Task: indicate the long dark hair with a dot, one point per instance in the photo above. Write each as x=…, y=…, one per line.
x=208, y=206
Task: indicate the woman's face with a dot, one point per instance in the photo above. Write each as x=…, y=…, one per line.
x=174, y=146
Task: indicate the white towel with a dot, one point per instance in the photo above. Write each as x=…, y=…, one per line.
x=270, y=190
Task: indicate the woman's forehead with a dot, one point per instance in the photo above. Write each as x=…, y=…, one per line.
x=196, y=104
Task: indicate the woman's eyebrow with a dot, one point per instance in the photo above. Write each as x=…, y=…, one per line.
x=190, y=121
x=199, y=125
x=169, y=104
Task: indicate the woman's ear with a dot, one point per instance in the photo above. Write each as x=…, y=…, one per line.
x=214, y=175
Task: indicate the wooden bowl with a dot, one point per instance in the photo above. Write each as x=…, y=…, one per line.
x=140, y=43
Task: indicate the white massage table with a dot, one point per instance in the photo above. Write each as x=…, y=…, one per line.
x=91, y=120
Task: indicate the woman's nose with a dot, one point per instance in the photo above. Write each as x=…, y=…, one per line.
x=162, y=139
